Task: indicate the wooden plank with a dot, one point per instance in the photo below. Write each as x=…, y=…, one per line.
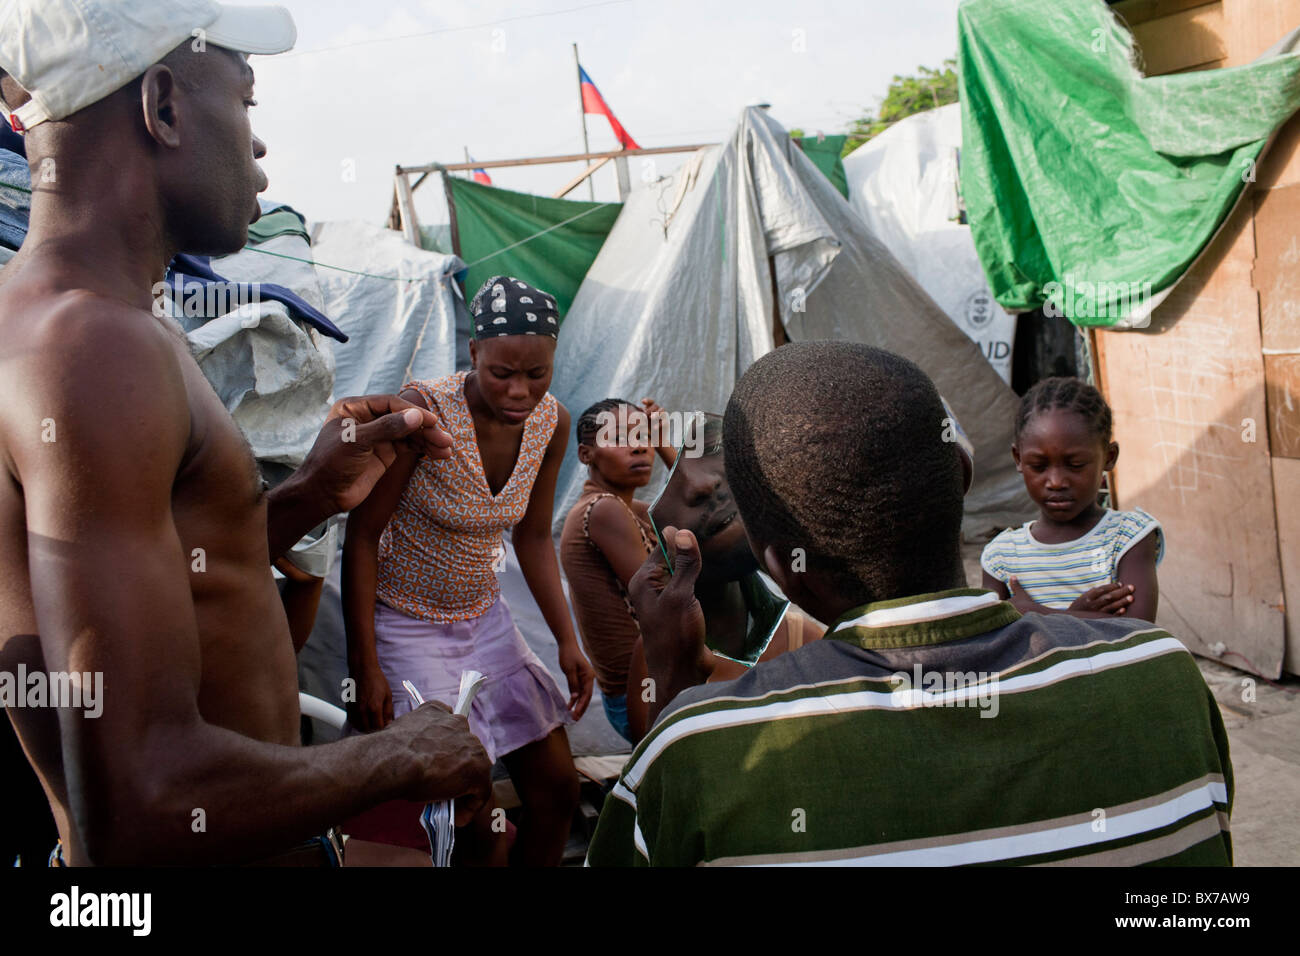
x=1134, y=12
x=1276, y=276
x=1286, y=491
x=395, y=211
x=543, y=160
x=1280, y=166
x=1252, y=26
x=579, y=179
x=1181, y=40
x=1180, y=393
x=1249, y=28
x=1282, y=387
x=410, y=224
x=1277, y=267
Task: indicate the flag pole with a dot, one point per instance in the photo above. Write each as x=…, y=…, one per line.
x=582, y=111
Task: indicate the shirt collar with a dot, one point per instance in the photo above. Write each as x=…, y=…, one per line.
x=921, y=619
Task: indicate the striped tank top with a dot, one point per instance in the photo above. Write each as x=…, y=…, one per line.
x=1056, y=574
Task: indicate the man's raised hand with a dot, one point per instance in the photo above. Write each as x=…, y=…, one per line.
x=671, y=619
x=361, y=437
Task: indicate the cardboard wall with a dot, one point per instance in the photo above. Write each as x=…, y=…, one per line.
x=1207, y=402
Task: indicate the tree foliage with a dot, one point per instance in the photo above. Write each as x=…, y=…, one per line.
x=907, y=95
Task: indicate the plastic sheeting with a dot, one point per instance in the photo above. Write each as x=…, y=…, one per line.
x=903, y=183
x=679, y=302
x=1090, y=188
x=15, y=199
x=397, y=304
x=274, y=373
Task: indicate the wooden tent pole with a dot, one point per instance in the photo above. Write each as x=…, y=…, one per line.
x=576, y=181
x=410, y=224
x=543, y=160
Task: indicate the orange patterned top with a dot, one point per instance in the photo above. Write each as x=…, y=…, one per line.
x=439, y=552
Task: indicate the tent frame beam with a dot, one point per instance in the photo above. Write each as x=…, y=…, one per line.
x=544, y=160
x=401, y=215
x=578, y=180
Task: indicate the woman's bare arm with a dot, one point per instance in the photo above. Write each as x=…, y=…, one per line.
x=536, y=552
x=373, y=707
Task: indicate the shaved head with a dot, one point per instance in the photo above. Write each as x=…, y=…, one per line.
x=837, y=448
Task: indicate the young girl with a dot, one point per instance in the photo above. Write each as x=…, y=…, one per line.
x=606, y=537
x=421, y=599
x=1077, y=557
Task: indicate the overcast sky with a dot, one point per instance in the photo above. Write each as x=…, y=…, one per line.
x=375, y=83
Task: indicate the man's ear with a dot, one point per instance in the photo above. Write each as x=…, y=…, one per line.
x=1112, y=455
x=788, y=573
x=159, y=98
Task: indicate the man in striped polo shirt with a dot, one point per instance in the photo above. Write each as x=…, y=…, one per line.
x=935, y=724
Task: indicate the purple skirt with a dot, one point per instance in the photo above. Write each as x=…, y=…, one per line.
x=518, y=704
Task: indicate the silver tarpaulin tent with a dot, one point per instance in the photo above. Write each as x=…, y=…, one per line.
x=680, y=302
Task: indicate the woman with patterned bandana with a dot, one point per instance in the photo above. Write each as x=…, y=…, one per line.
x=422, y=602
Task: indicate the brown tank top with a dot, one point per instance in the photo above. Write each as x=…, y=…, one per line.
x=605, y=620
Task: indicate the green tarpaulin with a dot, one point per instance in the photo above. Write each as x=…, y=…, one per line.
x=825, y=155
x=1089, y=187
x=549, y=243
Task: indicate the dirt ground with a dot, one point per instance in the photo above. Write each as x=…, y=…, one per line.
x=1263, y=722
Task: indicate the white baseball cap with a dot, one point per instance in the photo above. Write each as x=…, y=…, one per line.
x=68, y=54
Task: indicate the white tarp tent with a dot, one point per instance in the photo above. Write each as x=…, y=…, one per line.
x=397, y=304
x=903, y=183
x=680, y=302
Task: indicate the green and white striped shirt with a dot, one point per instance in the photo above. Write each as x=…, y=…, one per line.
x=941, y=729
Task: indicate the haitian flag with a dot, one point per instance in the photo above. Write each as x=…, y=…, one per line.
x=480, y=175
x=593, y=102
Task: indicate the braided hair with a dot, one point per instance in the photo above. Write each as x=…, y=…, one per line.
x=1071, y=395
x=590, y=421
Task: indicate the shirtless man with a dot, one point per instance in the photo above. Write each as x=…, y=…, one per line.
x=118, y=461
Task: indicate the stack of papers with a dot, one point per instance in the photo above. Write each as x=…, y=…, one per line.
x=439, y=819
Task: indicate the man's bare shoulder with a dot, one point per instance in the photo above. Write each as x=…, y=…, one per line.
x=73, y=357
